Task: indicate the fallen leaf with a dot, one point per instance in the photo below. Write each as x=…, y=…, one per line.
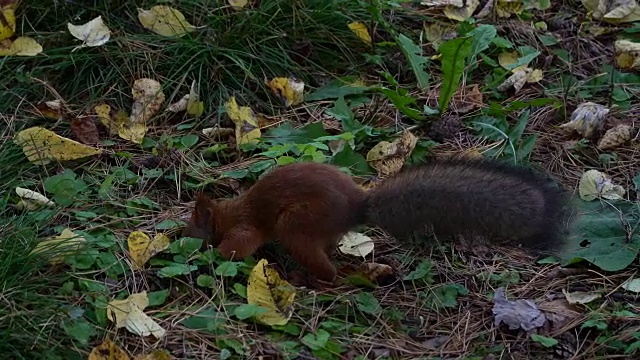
x=54, y=109
x=148, y=97
x=616, y=136
x=32, y=200
x=361, y=31
x=461, y=13
x=22, y=46
x=142, y=248
x=108, y=350
x=67, y=243
x=580, y=297
x=506, y=8
x=92, y=33
x=8, y=23
x=437, y=33
x=41, y=146
x=594, y=184
x=632, y=285
x=85, y=130
x=194, y=105
x=613, y=11
x=165, y=20
x=587, y=119
x=247, y=129
x=157, y=354
x=356, y=244
x=128, y=313
x=290, y=91
x=519, y=314
x=559, y=313
x=388, y=158
x=517, y=80
x=627, y=54
x=238, y=5
x=267, y=289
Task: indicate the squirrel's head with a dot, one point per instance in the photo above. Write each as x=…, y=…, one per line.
x=202, y=224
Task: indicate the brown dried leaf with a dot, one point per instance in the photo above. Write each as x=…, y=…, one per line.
x=616, y=136
x=388, y=158
x=84, y=129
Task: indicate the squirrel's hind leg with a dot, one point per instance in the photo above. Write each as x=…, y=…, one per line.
x=313, y=256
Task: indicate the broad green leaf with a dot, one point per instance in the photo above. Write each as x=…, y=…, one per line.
x=481, y=38
x=416, y=60
x=454, y=52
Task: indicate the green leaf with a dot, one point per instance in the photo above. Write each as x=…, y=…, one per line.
x=316, y=341
x=189, y=140
x=205, y=281
x=454, y=52
x=598, y=234
x=356, y=163
x=169, y=224
x=402, y=102
x=246, y=311
x=64, y=187
x=445, y=296
x=228, y=268
x=240, y=290
x=336, y=89
x=544, y=340
x=343, y=113
x=80, y=330
x=157, y=298
x=482, y=36
x=176, y=270
x=422, y=271
x=367, y=303
x=413, y=53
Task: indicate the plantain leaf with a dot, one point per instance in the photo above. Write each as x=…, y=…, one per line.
x=454, y=52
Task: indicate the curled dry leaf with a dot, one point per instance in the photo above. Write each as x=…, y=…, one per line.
x=580, y=297
x=148, y=97
x=388, y=158
x=361, y=31
x=616, y=136
x=356, y=244
x=128, y=313
x=614, y=11
x=587, y=119
x=67, y=243
x=41, y=146
x=594, y=184
x=290, y=91
x=142, y=248
x=54, y=109
x=108, y=350
x=165, y=20
x=506, y=8
x=517, y=80
x=627, y=54
x=559, y=313
x=247, y=129
x=32, y=200
x=93, y=33
x=267, y=289
x=519, y=314
x=85, y=130
x=461, y=13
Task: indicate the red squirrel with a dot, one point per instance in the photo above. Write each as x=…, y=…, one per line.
x=308, y=207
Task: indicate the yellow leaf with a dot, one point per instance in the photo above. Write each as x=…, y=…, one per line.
x=535, y=76
x=461, y=13
x=128, y=314
x=93, y=33
x=194, y=107
x=141, y=248
x=247, y=129
x=104, y=114
x=267, y=289
x=506, y=8
x=508, y=58
x=133, y=132
x=157, y=354
x=290, y=91
x=437, y=33
x=628, y=54
x=165, y=20
x=7, y=21
x=41, y=146
x=388, y=158
x=65, y=244
x=22, y=46
x=361, y=31
x=108, y=350
x=238, y=5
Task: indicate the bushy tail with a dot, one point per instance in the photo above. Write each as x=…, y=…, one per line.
x=481, y=198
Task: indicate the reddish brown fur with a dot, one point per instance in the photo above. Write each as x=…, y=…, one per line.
x=307, y=207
